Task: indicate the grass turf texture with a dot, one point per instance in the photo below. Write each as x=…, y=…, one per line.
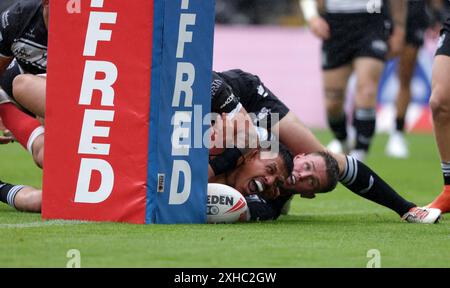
x=333, y=230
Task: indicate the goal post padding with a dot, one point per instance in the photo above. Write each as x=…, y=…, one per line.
x=126, y=81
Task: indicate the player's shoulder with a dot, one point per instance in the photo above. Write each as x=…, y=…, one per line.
x=235, y=74
x=19, y=12
x=255, y=198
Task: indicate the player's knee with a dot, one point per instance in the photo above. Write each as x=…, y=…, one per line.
x=334, y=102
x=366, y=94
x=38, y=151
x=20, y=84
x=39, y=159
x=440, y=104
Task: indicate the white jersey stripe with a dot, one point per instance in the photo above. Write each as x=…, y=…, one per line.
x=352, y=6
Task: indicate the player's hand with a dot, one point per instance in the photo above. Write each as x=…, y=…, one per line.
x=396, y=41
x=221, y=133
x=270, y=194
x=237, y=131
x=308, y=195
x=7, y=137
x=216, y=146
x=320, y=27
x=434, y=31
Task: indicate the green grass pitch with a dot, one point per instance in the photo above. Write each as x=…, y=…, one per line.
x=333, y=230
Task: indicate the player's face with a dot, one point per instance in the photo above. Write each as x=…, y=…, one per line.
x=309, y=174
x=261, y=176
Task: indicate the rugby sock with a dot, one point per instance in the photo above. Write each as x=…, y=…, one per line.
x=400, y=124
x=446, y=172
x=442, y=202
x=339, y=126
x=24, y=127
x=364, y=122
x=8, y=193
x=361, y=180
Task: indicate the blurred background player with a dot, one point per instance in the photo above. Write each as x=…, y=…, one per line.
x=418, y=20
x=440, y=107
x=355, y=40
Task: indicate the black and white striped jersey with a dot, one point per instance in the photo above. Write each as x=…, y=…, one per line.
x=23, y=35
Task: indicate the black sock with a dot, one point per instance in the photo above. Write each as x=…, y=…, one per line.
x=339, y=126
x=400, y=124
x=446, y=172
x=364, y=122
x=8, y=193
x=361, y=180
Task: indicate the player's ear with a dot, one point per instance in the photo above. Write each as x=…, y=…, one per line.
x=45, y=2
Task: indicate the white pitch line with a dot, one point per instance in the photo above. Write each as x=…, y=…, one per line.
x=42, y=224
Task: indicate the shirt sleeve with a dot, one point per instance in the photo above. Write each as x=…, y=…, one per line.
x=223, y=99
x=6, y=32
x=260, y=210
x=12, y=22
x=263, y=210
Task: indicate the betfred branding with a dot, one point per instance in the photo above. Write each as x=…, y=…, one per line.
x=124, y=81
x=90, y=129
x=97, y=117
x=184, y=100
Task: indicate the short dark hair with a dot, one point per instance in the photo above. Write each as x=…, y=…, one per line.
x=287, y=158
x=332, y=167
x=283, y=153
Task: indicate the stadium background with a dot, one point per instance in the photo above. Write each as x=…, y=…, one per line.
x=334, y=230
x=269, y=38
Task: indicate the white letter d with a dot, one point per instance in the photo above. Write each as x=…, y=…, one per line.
x=83, y=195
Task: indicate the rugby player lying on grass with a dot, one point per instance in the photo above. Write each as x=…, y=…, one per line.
x=240, y=92
x=317, y=173
x=242, y=97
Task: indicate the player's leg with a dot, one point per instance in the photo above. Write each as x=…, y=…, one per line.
x=363, y=181
x=28, y=199
x=356, y=176
x=368, y=72
x=337, y=55
x=29, y=92
x=440, y=107
x=416, y=25
x=335, y=84
x=22, y=198
x=397, y=146
x=26, y=129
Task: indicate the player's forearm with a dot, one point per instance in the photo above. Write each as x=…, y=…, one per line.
x=398, y=11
